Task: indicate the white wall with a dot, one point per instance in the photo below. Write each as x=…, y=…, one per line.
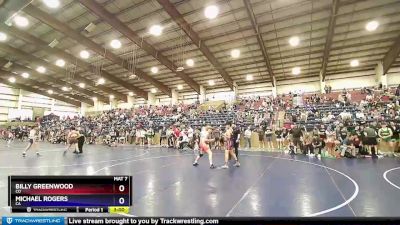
x=352, y=80
x=338, y=81
x=188, y=97
x=393, y=78
x=258, y=89
x=163, y=100
x=220, y=94
x=9, y=98
x=299, y=85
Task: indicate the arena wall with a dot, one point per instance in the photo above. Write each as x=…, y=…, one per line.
x=10, y=98
x=393, y=77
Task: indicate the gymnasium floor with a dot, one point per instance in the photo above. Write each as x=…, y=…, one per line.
x=267, y=184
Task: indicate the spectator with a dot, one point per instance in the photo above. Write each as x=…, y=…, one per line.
x=357, y=143
x=297, y=133
x=279, y=138
x=261, y=137
x=370, y=139
x=347, y=148
x=268, y=138
x=247, y=138
x=317, y=145
x=142, y=136
x=149, y=136
x=285, y=137
x=385, y=134
x=320, y=110
x=330, y=142
x=307, y=146
x=163, y=137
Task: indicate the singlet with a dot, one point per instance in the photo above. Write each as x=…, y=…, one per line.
x=203, y=135
x=196, y=137
x=228, y=134
x=32, y=134
x=229, y=138
x=74, y=134
x=385, y=132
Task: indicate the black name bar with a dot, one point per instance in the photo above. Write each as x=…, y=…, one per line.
x=227, y=221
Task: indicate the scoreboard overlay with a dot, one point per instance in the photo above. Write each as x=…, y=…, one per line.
x=89, y=194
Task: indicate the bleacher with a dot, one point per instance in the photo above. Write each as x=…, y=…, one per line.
x=356, y=96
x=324, y=109
x=255, y=105
x=214, y=119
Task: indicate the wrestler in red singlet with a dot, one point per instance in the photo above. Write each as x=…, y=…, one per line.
x=229, y=147
x=205, y=139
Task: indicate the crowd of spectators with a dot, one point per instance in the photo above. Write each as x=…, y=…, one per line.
x=343, y=127
x=324, y=124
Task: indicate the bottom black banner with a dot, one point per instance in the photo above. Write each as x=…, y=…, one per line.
x=227, y=220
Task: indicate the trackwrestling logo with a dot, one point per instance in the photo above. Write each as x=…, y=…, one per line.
x=32, y=220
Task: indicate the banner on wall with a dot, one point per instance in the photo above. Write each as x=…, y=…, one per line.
x=20, y=114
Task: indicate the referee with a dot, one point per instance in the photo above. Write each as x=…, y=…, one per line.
x=236, y=139
x=81, y=141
